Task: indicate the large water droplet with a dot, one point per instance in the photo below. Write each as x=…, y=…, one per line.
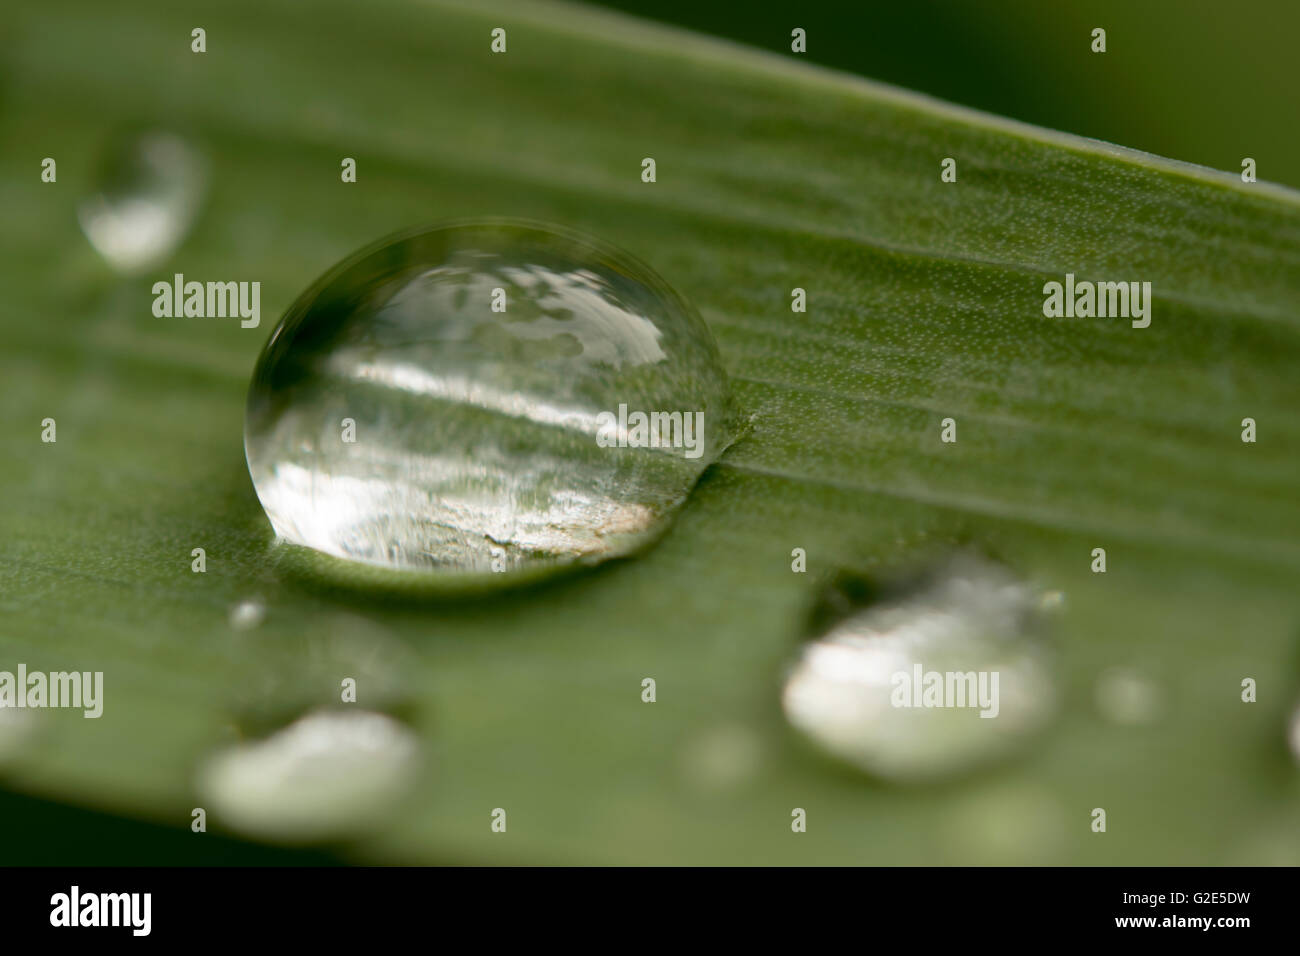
x=149, y=190
x=466, y=401
x=329, y=774
x=898, y=687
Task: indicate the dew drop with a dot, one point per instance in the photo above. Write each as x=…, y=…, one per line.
x=292, y=668
x=329, y=774
x=1293, y=733
x=1126, y=697
x=148, y=192
x=895, y=685
x=445, y=402
x=246, y=615
x=16, y=729
x=1052, y=601
x=1274, y=842
x=1005, y=823
x=723, y=758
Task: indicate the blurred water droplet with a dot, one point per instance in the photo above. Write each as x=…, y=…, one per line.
x=397, y=420
x=16, y=729
x=147, y=195
x=1293, y=732
x=1126, y=697
x=295, y=669
x=330, y=774
x=897, y=687
x=723, y=758
x=1006, y=824
x=1272, y=840
x=246, y=615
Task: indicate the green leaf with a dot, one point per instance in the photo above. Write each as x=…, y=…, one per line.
x=925, y=301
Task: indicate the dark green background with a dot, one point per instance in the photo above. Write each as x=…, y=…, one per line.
x=1197, y=80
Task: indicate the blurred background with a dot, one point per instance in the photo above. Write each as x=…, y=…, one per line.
x=1187, y=79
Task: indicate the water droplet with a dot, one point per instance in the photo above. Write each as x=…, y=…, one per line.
x=398, y=420
x=287, y=672
x=1052, y=600
x=1293, y=732
x=246, y=615
x=1005, y=823
x=1126, y=697
x=16, y=729
x=149, y=191
x=329, y=774
x=896, y=685
x=1273, y=840
x=723, y=758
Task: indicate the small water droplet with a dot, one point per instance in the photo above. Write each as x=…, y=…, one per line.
x=246, y=615
x=723, y=758
x=1126, y=697
x=288, y=672
x=1273, y=840
x=1005, y=823
x=329, y=774
x=896, y=685
x=16, y=730
x=397, y=419
x=1052, y=600
x=148, y=192
x=1293, y=733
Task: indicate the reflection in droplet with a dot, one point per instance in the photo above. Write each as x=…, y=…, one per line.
x=246, y=615
x=1126, y=697
x=330, y=774
x=148, y=192
x=446, y=401
x=942, y=678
